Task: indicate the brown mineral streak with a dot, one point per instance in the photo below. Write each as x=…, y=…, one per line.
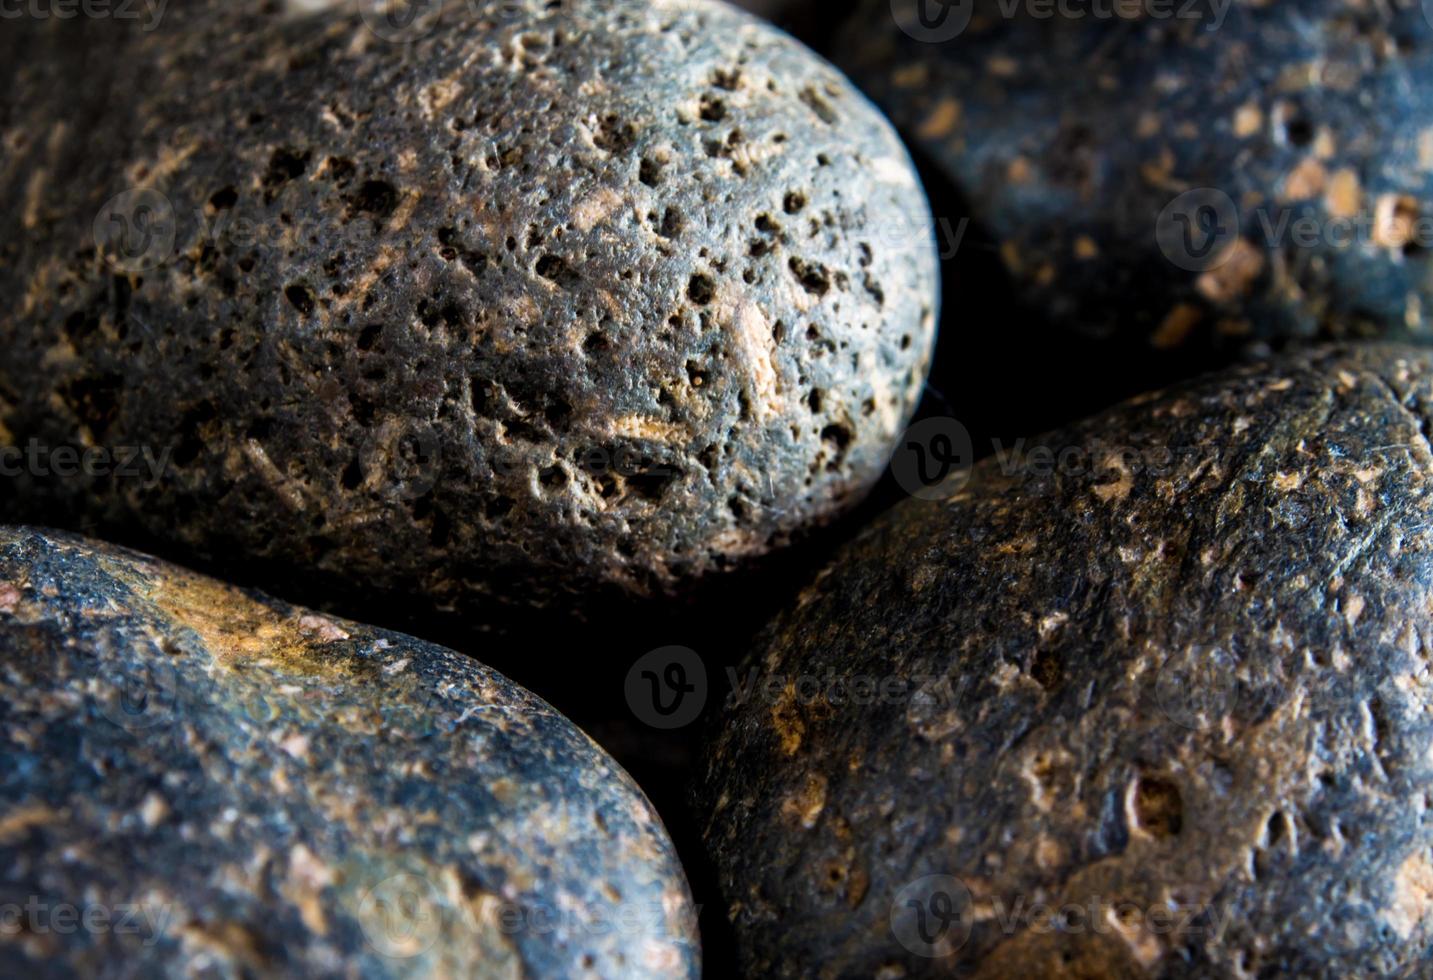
x=235, y=630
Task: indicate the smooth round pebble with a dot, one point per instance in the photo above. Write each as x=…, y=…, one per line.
x=1147, y=697
x=215, y=783
x=1196, y=174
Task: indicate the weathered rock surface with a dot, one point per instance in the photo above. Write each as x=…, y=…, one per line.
x=1162, y=712
x=243, y=788
x=590, y=298
x=1193, y=173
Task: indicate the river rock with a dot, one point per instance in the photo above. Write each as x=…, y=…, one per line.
x=511, y=305
x=1150, y=701
x=216, y=783
x=1188, y=174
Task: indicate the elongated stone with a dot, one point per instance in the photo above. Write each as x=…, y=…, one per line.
x=1192, y=174
x=1147, y=698
x=529, y=304
x=200, y=780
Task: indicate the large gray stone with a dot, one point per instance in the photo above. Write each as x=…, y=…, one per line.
x=534, y=303
x=219, y=784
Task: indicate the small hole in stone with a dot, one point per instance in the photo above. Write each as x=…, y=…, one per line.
x=369, y=336
x=550, y=267
x=671, y=223
x=838, y=435
x=1298, y=131
x=301, y=298
x=1045, y=668
x=701, y=289
x=1157, y=807
x=376, y=197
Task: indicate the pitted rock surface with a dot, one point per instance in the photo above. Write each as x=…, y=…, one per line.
x=556, y=299
x=1285, y=145
x=1160, y=709
x=246, y=788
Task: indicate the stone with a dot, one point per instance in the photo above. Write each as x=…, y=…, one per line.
x=1187, y=176
x=213, y=782
x=527, y=307
x=1147, y=697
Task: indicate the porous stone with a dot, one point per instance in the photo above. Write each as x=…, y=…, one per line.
x=215, y=783
x=1155, y=707
x=539, y=302
x=1188, y=174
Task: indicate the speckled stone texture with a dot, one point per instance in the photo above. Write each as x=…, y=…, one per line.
x=245, y=788
x=1194, y=685
x=558, y=300
x=1070, y=136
